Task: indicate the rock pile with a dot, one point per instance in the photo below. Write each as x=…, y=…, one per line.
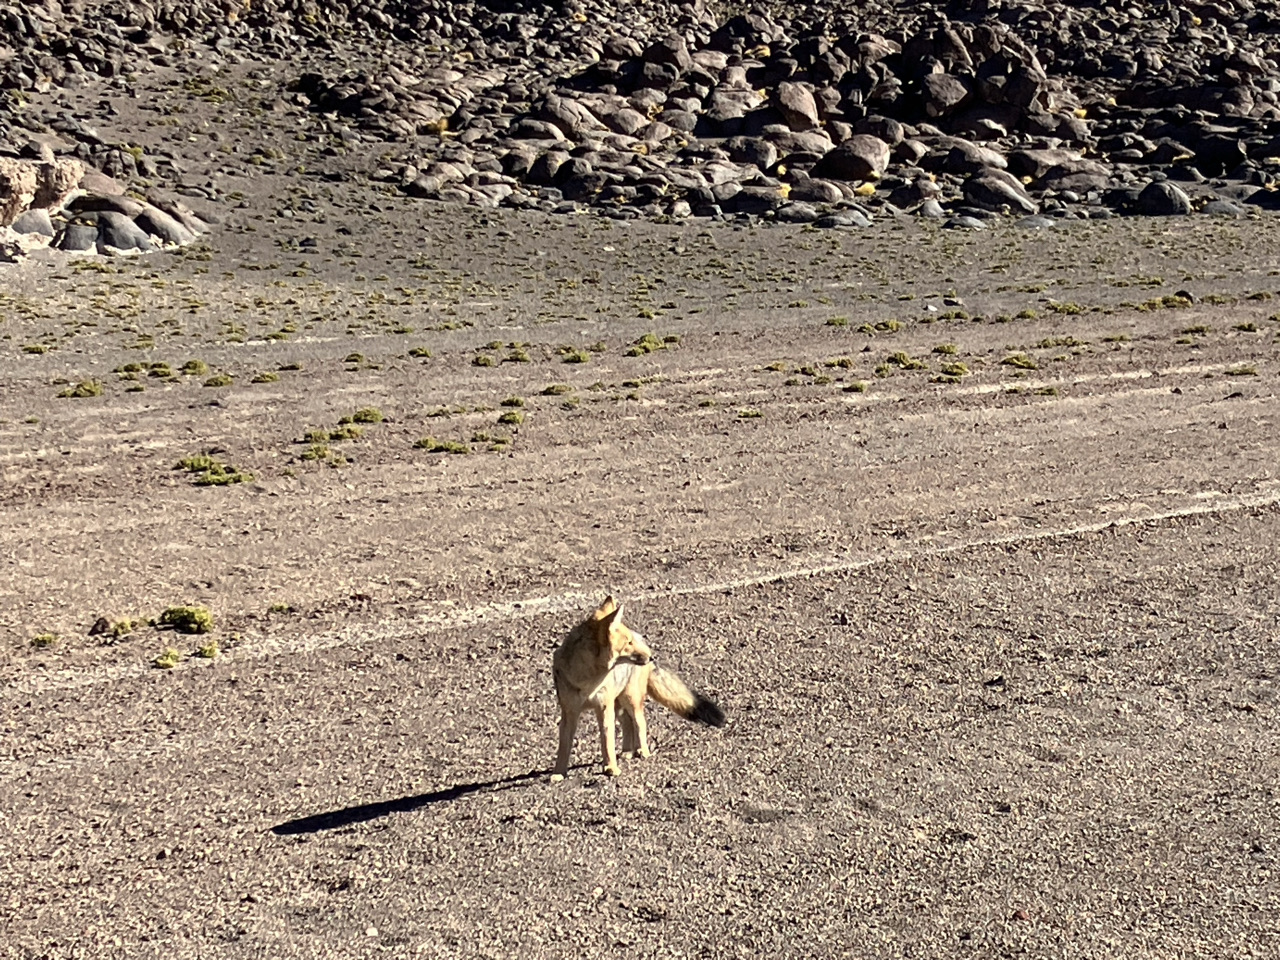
x=828, y=112
x=54, y=42
x=57, y=202
x=1011, y=111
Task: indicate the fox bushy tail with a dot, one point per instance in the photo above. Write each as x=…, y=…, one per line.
x=670, y=691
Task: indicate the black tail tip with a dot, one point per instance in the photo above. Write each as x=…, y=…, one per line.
x=704, y=711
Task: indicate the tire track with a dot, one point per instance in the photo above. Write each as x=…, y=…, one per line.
x=447, y=615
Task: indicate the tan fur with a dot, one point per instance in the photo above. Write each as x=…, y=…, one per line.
x=603, y=663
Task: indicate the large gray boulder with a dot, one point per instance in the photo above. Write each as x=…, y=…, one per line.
x=798, y=107
x=998, y=191
x=861, y=157
x=1163, y=199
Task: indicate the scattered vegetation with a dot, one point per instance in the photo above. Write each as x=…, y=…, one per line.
x=901, y=359
x=1068, y=308
x=83, y=389
x=211, y=472
x=1170, y=302
x=432, y=445
x=1020, y=361
x=168, y=658
x=649, y=343
x=187, y=619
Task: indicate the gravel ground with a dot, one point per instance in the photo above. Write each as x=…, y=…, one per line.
x=1063, y=747
x=997, y=645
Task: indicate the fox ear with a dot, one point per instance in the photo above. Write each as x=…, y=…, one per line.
x=605, y=624
x=605, y=609
x=613, y=616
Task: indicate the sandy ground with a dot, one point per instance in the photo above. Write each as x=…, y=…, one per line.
x=998, y=655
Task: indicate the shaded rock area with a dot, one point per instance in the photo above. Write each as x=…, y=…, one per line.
x=976, y=108
x=47, y=203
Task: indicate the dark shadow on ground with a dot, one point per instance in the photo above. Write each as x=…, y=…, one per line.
x=364, y=812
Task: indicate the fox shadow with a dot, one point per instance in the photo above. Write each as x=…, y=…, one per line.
x=364, y=812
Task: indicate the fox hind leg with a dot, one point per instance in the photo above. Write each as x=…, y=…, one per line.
x=568, y=727
x=635, y=732
x=605, y=714
x=630, y=735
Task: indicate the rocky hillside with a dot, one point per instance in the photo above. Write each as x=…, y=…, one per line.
x=833, y=113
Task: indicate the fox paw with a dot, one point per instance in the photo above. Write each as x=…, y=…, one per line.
x=612, y=771
x=557, y=777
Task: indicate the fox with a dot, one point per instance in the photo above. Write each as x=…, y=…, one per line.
x=603, y=663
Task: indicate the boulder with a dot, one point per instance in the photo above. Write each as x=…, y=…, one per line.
x=34, y=221
x=816, y=191
x=998, y=191
x=1163, y=199
x=943, y=94
x=118, y=234
x=754, y=150
x=796, y=103
x=861, y=157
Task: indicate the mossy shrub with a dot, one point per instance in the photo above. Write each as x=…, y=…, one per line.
x=187, y=619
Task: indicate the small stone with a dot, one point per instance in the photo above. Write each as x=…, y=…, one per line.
x=965, y=223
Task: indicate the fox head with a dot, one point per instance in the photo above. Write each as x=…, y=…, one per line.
x=618, y=642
